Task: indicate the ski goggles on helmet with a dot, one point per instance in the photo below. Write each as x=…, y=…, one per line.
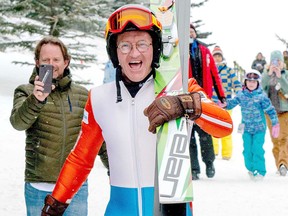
x=141, y=17
x=252, y=76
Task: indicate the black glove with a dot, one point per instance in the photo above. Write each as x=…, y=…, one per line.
x=166, y=108
x=53, y=207
x=222, y=99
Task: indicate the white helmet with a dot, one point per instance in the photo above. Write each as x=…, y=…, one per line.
x=253, y=75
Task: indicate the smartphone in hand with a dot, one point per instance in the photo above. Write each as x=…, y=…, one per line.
x=275, y=63
x=46, y=75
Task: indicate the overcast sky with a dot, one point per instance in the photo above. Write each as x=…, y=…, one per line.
x=245, y=27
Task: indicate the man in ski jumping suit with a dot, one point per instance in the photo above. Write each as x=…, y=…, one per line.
x=133, y=36
x=203, y=68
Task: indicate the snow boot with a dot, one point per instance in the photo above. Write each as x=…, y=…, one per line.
x=282, y=170
x=195, y=175
x=210, y=170
x=256, y=176
x=251, y=175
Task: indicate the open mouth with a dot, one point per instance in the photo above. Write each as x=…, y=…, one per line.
x=135, y=64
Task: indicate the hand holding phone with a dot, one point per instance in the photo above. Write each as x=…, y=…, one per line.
x=46, y=75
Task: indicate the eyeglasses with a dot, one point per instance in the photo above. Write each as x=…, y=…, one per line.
x=252, y=76
x=140, y=17
x=126, y=47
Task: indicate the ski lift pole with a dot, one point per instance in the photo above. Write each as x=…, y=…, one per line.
x=183, y=22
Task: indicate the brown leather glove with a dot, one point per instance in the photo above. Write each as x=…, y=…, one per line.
x=166, y=108
x=53, y=207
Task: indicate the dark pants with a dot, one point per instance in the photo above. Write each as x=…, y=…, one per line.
x=206, y=144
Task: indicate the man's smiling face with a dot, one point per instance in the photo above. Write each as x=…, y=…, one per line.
x=135, y=65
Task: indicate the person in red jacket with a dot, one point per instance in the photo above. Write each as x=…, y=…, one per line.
x=126, y=114
x=202, y=67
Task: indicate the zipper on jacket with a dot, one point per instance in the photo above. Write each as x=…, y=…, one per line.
x=69, y=103
x=62, y=110
x=134, y=124
x=134, y=146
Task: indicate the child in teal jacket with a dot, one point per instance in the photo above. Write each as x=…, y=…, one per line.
x=254, y=103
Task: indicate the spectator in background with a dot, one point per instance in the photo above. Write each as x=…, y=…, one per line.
x=109, y=72
x=109, y=76
x=254, y=103
x=52, y=123
x=275, y=84
x=231, y=85
x=259, y=63
x=285, y=55
x=203, y=68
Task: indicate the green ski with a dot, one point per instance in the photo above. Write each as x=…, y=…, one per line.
x=173, y=180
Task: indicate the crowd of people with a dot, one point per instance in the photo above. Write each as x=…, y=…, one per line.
x=67, y=128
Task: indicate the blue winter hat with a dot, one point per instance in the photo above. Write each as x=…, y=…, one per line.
x=276, y=55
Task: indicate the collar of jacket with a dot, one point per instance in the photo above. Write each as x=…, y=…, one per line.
x=256, y=91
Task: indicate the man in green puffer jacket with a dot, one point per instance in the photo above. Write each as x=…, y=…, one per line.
x=52, y=123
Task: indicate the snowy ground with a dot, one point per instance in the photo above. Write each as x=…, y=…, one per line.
x=229, y=193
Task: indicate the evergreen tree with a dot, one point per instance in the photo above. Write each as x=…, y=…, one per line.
x=112, y=5
x=23, y=22
x=198, y=23
x=285, y=42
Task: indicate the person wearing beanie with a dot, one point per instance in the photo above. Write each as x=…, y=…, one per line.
x=231, y=85
x=254, y=103
x=259, y=63
x=275, y=84
x=203, y=68
x=276, y=55
x=217, y=51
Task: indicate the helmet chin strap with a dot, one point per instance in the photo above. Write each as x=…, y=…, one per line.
x=118, y=79
x=129, y=83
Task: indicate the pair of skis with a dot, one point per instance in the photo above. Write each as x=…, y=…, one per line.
x=173, y=179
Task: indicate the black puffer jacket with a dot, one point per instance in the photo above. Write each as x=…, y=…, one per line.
x=51, y=128
x=259, y=65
